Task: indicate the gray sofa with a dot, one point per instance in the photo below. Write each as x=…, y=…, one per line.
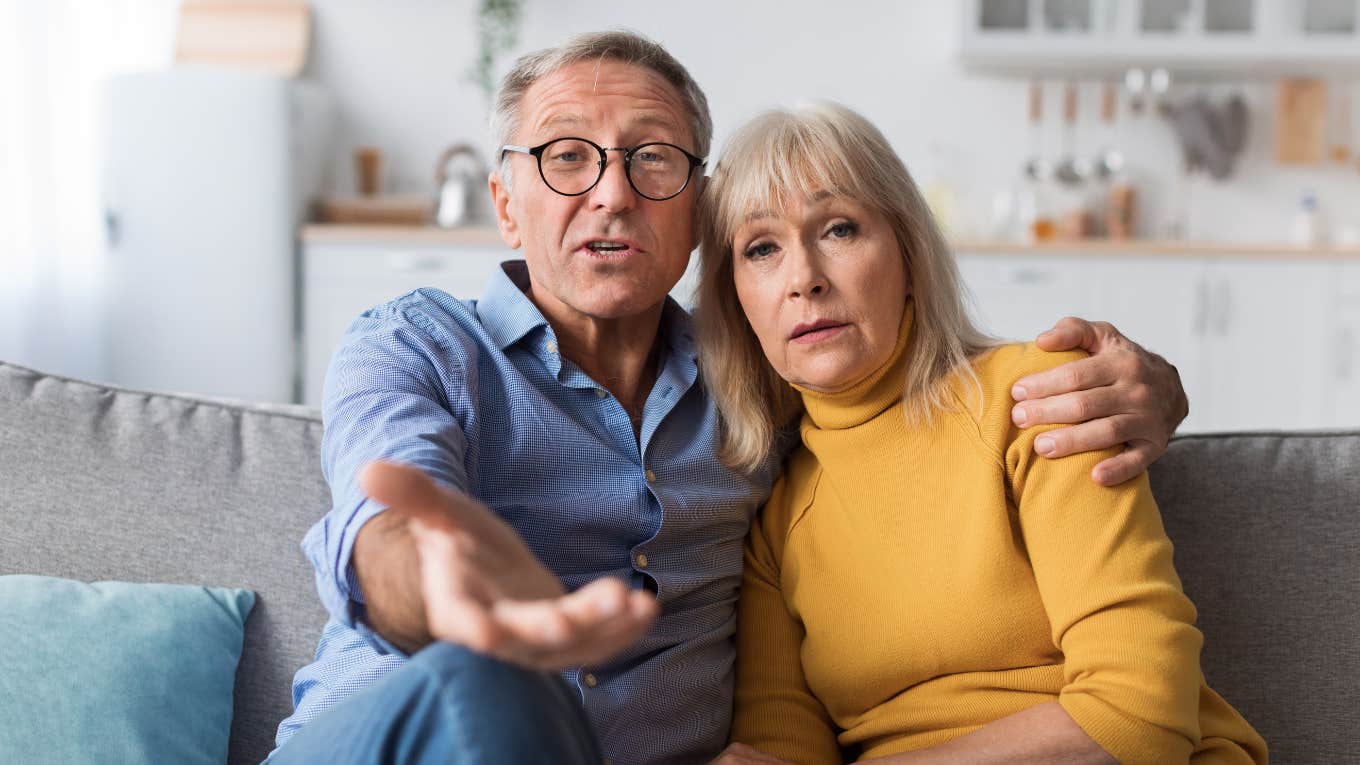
x=104, y=483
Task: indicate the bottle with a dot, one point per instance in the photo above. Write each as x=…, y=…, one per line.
x=1309, y=225
x=938, y=191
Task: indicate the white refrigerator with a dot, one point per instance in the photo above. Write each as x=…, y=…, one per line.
x=207, y=175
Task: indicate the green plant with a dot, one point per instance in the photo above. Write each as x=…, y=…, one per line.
x=497, y=32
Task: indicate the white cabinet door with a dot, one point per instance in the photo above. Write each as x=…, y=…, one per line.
x=1018, y=297
x=1269, y=344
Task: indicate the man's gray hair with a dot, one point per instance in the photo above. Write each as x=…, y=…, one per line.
x=615, y=45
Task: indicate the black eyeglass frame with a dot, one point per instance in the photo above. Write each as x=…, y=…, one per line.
x=537, y=153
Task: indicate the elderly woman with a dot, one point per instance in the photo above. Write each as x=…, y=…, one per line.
x=921, y=587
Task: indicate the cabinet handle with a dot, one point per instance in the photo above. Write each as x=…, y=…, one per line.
x=1029, y=276
x=1224, y=308
x=1202, y=298
x=1346, y=342
x=402, y=260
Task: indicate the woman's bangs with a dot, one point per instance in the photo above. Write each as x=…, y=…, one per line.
x=774, y=164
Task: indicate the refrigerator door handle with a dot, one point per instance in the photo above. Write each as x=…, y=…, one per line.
x=112, y=228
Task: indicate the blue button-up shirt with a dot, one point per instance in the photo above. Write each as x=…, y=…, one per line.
x=477, y=394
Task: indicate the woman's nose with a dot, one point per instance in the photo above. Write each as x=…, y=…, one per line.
x=805, y=275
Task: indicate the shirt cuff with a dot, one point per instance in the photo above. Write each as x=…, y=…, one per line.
x=330, y=550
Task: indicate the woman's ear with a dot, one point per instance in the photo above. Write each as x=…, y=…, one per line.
x=500, y=200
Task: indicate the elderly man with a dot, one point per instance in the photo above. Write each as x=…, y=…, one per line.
x=563, y=508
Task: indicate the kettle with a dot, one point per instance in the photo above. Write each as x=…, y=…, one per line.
x=457, y=174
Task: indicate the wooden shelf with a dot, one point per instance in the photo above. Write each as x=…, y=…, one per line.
x=347, y=233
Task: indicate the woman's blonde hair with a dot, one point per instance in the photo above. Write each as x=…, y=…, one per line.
x=790, y=154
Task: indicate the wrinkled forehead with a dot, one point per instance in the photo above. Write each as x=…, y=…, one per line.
x=604, y=94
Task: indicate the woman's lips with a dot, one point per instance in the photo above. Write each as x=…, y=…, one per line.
x=820, y=334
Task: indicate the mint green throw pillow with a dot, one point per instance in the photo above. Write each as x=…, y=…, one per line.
x=117, y=672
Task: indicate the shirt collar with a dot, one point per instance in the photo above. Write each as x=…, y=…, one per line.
x=509, y=315
x=505, y=311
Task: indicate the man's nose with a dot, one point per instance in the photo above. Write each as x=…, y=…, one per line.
x=613, y=193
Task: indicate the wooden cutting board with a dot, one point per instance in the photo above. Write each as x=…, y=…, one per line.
x=1301, y=121
x=392, y=209
x=250, y=34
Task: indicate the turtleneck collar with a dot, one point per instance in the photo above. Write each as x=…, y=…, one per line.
x=867, y=398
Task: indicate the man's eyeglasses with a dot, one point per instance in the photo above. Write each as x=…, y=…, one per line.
x=572, y=166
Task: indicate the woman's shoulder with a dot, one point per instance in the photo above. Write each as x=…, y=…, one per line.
x=1004, y=364
x=997, y=370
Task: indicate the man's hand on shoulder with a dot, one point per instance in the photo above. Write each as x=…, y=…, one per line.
x=483, y=588
x=1121, y=395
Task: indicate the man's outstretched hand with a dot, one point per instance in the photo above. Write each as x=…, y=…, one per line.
x=1121, y=395
x=483, y=588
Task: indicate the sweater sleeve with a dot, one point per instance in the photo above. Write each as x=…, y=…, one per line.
x=1115, y=606
x=775, y=711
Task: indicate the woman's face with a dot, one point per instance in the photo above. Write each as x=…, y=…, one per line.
x=823, y=283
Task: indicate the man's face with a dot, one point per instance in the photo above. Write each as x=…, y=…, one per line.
x=572, y=244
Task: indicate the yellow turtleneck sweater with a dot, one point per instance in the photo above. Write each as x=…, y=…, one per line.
x=907, y=584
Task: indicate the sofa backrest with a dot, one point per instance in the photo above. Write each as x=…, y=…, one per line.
x=1267, y=534
x=102, y=483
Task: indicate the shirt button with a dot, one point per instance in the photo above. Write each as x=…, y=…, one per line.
x=552, y=347
x=591, y=681
x=641, y=560
x=651, y=477
x=600, y=393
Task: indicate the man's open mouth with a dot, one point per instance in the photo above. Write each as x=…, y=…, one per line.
x=606, y=247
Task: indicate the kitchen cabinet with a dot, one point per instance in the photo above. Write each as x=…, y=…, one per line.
x=342, y=279
x=1260, y=343
x=348, y=269
x=1105, y=37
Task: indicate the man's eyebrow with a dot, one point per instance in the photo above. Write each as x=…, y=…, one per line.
x=653, y=119
x=563, y=119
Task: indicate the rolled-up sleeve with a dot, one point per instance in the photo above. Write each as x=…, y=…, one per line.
x=386, y=397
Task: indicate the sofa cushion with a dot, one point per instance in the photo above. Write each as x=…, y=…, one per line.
x=117, y=672
x=101, y=483
x=1267, y=534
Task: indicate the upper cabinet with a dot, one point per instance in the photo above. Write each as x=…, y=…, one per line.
x=1103, y=37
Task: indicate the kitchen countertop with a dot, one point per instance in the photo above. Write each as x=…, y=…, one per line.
x=1158, y=248
x=339, y=233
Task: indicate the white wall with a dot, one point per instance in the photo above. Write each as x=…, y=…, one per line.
x=398, y=70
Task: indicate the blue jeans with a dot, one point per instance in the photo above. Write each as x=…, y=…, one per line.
x=450, y=705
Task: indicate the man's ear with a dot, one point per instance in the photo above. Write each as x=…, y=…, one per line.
x=500, y=201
